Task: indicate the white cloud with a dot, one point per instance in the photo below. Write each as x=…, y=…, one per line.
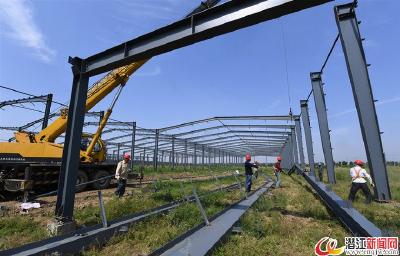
x=16, y=18
x=154, y=72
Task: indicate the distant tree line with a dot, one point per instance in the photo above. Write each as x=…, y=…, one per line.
x=345, y=163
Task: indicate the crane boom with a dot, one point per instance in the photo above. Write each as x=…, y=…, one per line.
x=100, y=90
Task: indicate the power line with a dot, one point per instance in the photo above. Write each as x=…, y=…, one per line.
x=286, y=63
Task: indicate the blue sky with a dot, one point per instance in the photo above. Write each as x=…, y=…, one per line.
x=242, y=73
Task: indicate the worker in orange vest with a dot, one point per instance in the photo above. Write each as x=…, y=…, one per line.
x=358, y=175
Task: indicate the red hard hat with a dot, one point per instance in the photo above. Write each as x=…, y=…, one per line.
x=279, y=158
x=359, y=162
x=248, y=157
x=127, y=156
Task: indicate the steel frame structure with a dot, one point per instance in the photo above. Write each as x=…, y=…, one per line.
x=47, y=99
x=222, y=19
x=226, y=146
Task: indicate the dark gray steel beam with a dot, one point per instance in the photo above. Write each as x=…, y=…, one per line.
x=70, y=159
x=320, y=106
x=361, y=85
x=222, y=19
x=307, y=132
x=208, y=236
x=358, y=225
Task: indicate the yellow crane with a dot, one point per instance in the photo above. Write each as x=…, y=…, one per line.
x=33, y=160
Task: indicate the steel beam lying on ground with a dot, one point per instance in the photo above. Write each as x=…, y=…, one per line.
x=350, y=217
x=85, y=238
x=203, y=239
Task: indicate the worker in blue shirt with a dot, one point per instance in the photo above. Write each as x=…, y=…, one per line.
x=249, y=172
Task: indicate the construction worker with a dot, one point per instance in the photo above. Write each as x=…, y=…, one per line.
x=277, y=171
x=249, y=172
x=121, y=174
x=358, y=175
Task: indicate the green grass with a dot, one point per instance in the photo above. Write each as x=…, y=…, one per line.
x=16, y=231
x=19, y=230
x=385, y=215
x=148, y=235
x=190, y=169
x=288, y=221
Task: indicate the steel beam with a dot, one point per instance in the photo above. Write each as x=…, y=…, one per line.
x=358, y=225
x=307, y=132
x=222, y=19
x=361, y=85
x=70, y=160
x=202, y=239
x=320, y=106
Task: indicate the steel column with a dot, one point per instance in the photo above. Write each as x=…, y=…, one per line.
x=294, y=144
x=202, y=155
x=320, y=107
x=47, y=110
x=155, y=157
x=290, y=152
x=70, y=159
x=186, y=155
x=358, y=73
x=195, y=154
x=133, y=144
x=118, y=151
x=307, y=132
x=299, y=140
x=101, y=115
x=173, y=152
x=209, y=157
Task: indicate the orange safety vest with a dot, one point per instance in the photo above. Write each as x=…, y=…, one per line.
x=357, y=174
